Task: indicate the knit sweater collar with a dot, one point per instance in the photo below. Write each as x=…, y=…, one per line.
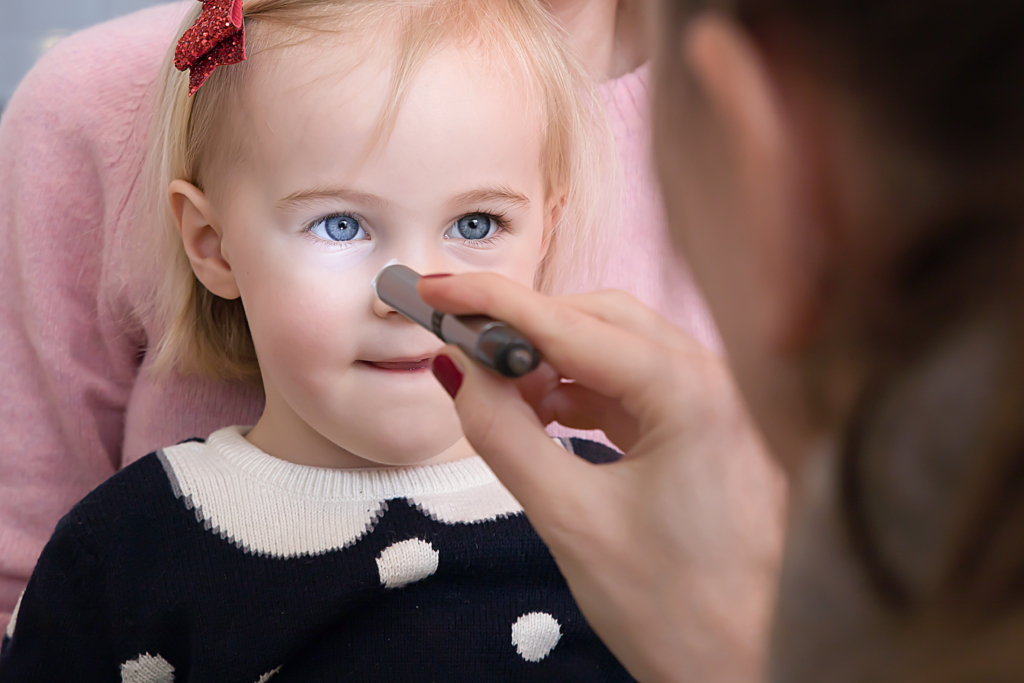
x=329, y=484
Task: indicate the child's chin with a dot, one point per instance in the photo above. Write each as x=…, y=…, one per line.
x=408, y=452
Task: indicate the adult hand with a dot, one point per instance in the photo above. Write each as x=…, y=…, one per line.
x=672, y=553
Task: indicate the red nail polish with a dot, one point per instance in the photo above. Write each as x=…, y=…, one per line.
x=447, y=374
x=436, y=275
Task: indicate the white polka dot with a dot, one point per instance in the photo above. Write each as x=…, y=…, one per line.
x=147, y=668
x=266, y=677
x=14, y=616
x=535, y=635
x=404, y=562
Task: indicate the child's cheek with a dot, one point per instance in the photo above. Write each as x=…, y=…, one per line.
x=517, y=258
x=306, y=308
x=324, y=259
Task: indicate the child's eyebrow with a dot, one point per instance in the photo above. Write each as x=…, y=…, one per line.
x=297, y=199
x=480, y=195
x=501, y=193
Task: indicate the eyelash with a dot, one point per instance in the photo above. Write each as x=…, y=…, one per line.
x=500, y=220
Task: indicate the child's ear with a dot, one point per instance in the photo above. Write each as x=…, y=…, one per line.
x=201, y=237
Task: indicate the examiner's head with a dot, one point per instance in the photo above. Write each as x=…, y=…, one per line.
x=845, y=179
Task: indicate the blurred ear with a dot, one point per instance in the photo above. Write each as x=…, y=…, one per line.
x=201, y=237
x=757, y=120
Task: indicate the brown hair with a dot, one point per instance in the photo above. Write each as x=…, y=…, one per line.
x=931, y=469
x=208, y=335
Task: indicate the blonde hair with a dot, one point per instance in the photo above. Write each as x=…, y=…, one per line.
x=207, y=335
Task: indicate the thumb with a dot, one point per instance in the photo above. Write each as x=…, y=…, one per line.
x=504, y=430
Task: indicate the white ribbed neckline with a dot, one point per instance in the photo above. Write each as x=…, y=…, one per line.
x=329, y=484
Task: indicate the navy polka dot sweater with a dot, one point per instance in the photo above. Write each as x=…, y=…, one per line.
x=212, y=561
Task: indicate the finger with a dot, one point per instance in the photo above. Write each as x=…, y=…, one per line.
x=610, y=360
x=625, y=311
x=506, y=433
x=534, y=386
x=577, y=407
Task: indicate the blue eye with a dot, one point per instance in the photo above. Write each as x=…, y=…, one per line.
x=340, y=228
x=473, y=226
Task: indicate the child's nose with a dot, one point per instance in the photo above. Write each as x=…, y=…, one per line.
x=381, y=309
x=422, y=265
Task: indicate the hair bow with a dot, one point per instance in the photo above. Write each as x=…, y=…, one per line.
x=217, y=38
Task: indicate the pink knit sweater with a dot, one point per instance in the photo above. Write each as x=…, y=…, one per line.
x=75, y=401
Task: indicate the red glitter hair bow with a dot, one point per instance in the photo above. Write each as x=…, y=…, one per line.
x=217, y=38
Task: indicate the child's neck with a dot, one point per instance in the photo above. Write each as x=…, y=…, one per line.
x=282, y=434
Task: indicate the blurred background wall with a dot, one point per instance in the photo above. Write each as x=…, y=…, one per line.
x=28, y=28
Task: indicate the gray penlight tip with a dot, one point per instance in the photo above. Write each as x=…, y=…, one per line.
x=520, y=361
x=376, y=277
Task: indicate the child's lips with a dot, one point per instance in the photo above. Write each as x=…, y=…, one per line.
x=402, y=365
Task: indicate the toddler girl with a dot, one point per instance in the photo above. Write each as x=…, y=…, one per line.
x=351, y=534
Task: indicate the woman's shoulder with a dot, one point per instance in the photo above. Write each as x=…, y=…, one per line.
x=95, y=79
x=625, y=100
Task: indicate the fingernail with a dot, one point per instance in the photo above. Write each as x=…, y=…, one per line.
x=447, y=374
x=435, y=275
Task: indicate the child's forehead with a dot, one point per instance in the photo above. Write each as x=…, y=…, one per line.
x=366, y=67
x=319, y=104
